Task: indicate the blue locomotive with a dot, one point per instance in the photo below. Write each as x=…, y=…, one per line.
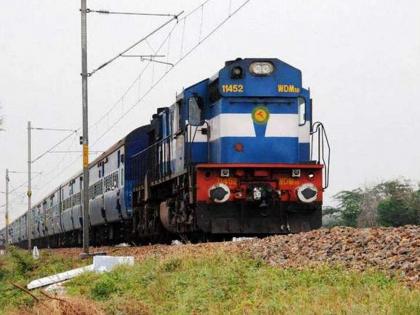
x=231, y=156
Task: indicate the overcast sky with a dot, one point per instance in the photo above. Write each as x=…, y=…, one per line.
x=361, y=60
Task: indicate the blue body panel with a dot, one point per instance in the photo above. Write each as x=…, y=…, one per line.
x=255, y=150
x=267, y=91
x=135, y=142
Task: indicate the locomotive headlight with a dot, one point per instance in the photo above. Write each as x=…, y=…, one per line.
x=261, y=68
x=219, y=193
x=307, y=193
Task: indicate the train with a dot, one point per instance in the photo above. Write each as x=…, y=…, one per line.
x=235, y=154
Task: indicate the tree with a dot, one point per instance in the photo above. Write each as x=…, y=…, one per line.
x=391, y=203
x=401, y=206
x=348, y=209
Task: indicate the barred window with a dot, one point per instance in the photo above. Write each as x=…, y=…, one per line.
x=108, y=182
x=98, y=188
x=115, y=179
x=78, y=199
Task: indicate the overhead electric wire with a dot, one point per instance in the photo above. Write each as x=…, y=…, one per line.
x=157, y=61
x=127, y=90
x=54, y=146
x=136, y=43
x=120, y=99
x=53, y=129
x=139, y=76
x=129, y=13
x=166, y=73
x=58, y=167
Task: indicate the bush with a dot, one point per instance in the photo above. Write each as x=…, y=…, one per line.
x=23, y=261
x=400, y=210
x=103, y=288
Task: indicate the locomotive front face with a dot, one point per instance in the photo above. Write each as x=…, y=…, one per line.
x=259, y=178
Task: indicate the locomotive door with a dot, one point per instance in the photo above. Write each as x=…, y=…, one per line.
x=179, y=139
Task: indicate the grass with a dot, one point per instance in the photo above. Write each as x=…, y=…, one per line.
x=211, y=283
x=218, y=283
x=19, y=267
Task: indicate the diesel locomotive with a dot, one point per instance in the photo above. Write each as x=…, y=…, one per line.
x=235, y=154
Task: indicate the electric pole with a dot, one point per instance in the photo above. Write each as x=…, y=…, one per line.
x=85, y=137
x=85, y=75
x=29, y=193
x=7, y=210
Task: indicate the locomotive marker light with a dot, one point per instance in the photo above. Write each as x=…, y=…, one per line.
x=295, y=172
x=261, y=68
x=236, y=73
x=224, y=172
x=307, y=193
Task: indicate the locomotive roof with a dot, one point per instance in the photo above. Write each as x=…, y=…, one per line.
x=247, y=60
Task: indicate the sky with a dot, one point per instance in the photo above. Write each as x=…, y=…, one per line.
x=360, y=58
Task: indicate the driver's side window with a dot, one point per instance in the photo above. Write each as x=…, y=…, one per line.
x=301, y=111
x=194, y=111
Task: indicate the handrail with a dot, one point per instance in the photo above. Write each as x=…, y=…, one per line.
x=322, y=156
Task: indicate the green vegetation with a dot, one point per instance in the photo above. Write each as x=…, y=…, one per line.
x=213, y=283
x=18, y=267
x=219, y=283
x=392, y=203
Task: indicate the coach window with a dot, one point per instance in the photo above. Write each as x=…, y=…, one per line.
x=301, y=111
x=122, y=177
